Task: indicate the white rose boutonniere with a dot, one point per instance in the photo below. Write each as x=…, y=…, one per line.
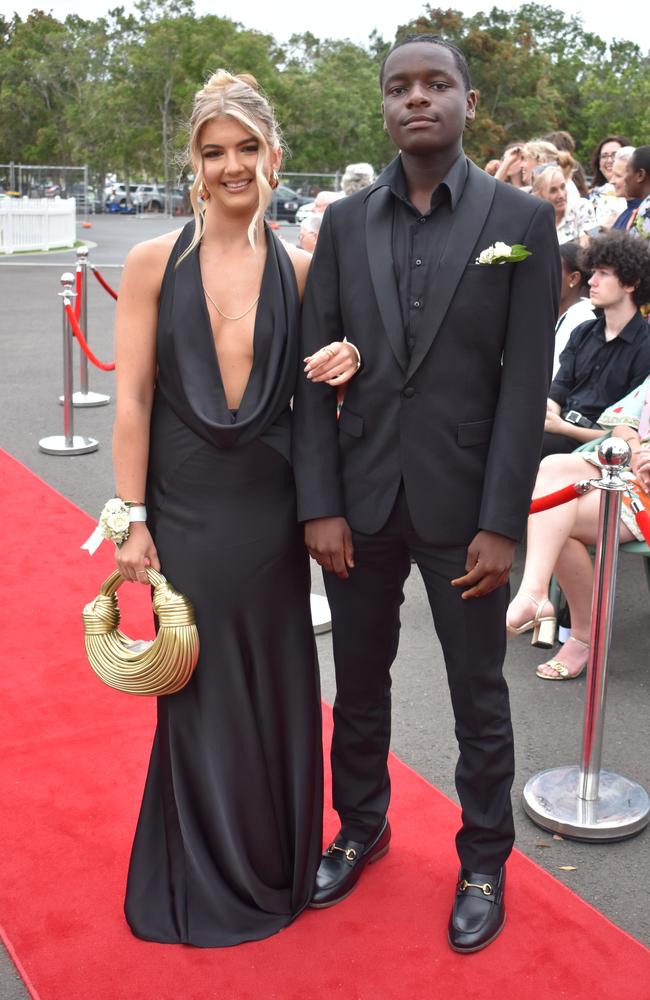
x=501, y=253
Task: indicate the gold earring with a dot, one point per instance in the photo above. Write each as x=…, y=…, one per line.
x=274, y=180
x=204, y=194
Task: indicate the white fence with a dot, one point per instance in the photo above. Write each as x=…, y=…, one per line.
x=36, y=223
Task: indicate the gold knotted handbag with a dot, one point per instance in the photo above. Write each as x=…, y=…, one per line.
x=157, y=667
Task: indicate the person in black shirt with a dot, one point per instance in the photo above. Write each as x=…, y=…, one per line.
x=433, y=458
x=607, y=357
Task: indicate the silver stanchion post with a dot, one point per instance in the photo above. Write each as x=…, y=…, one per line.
x=67, y=443
x=587, y=803
x=84, y=397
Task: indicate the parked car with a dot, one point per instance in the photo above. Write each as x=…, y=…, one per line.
x=151, y=198
x=116, y=194
x=285, y=202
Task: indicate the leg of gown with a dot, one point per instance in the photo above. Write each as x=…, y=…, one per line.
x=229, y=834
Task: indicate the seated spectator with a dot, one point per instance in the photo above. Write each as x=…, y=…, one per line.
x=602, y=165
x=356, y=177
x=309, y=230
x=510, y=168
x=572, y=221
x=537, y=153
x=557, y=538
x=607, y=357
x=627, y=217
x=637, y=185
x=565, y=141
x=575, y=304
x=325, y=198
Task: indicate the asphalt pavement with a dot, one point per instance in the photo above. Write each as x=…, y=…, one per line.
x=548, y=718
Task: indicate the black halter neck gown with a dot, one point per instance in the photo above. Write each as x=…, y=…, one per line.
x=229, y=834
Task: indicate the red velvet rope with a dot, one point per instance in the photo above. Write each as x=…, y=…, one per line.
x=103, y=282
x=554, y=499
x=77, y=288
x=82, y=342
x=643, y=520
x=570, y=493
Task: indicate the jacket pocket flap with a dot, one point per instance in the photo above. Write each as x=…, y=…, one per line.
x=350, y=422
x=476, y=432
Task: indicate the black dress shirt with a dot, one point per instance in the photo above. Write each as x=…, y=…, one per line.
x=594, y=372
x=419, y=241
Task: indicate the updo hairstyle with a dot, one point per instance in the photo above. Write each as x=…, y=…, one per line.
x=238, y=97
x=545, y=152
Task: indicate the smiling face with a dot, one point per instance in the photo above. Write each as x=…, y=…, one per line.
x=229, y=156
x=606, y=158
x=618, y=177
x=552, y=187
x=425, y=103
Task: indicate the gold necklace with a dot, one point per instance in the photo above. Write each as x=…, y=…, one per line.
x=232, y=318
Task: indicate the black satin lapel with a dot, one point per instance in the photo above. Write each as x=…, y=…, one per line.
x=469, y=219
x=379, y=232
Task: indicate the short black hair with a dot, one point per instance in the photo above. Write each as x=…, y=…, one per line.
x=629, y=258
x=641, y=159
x=459, y=58
x=571, y=254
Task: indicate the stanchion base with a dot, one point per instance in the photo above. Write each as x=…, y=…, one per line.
x=81, y=399
x=56, y=445
x=621, y=810
x=321, y=617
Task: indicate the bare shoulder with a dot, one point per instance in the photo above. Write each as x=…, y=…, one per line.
x=147, y=261
x=301, y=261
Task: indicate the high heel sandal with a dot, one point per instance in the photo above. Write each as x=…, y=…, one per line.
x=561, y=669
x=543, y=626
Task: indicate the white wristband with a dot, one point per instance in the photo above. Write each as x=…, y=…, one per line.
x=138, y=513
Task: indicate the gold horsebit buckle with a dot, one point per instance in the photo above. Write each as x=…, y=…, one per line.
x=350, y=853
x=485, y=887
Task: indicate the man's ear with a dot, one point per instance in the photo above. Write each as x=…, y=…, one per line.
x=470, y=106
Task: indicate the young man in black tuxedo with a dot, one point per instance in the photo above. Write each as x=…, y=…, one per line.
x=434, y=456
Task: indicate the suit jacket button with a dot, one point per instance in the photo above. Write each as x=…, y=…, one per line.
x=409, y=392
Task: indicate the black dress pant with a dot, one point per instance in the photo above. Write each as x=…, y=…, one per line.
x=366, y=624
x=557, y=444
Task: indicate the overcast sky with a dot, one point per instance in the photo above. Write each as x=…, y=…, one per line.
x=346, y=19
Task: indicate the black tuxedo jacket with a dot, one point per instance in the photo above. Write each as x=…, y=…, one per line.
x=461, y=420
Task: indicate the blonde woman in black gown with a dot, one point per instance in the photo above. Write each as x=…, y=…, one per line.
x=229, y=834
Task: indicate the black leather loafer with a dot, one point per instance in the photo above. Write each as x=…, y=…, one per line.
x=479, y=911
x=342, y=863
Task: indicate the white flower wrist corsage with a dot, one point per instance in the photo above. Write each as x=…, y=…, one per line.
x=115, y=523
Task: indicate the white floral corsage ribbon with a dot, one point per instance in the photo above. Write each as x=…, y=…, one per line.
x=114, y=523
x=501, y=253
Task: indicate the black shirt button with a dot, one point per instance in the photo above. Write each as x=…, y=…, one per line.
x=418, y=262
x=417, y=304
x=409, y=392
x=422, y=219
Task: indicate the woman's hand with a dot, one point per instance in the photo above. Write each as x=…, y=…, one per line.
x=136, y=553
x=641, y=467
x=335, y=363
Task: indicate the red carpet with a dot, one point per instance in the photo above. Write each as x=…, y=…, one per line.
x=73, y=763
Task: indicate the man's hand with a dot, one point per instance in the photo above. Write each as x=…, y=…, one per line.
x=488, y=563
x=329, y=542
